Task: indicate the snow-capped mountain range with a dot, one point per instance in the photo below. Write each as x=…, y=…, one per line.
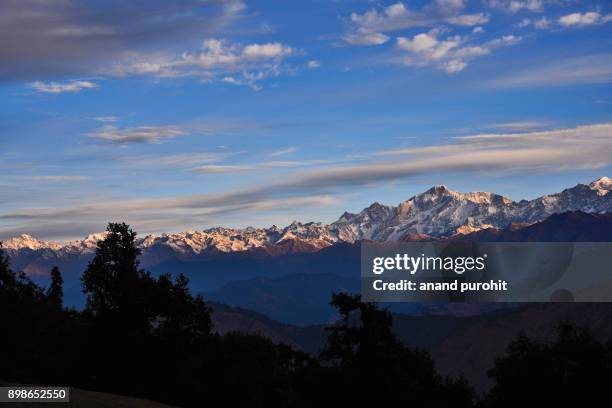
x=437, y=212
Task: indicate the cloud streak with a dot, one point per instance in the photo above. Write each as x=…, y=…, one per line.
x=62, y=87
x=587, y=69
x=141, y=134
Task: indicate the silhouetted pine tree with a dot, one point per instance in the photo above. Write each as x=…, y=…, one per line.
x=55, y=292
x=7, y=277
x=118, y=291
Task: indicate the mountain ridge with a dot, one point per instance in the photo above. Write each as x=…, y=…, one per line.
x=437, y=212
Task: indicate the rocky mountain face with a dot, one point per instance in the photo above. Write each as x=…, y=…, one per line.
x=437, y=212
x=442, y=212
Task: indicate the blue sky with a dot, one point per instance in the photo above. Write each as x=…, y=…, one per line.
x=190, y=114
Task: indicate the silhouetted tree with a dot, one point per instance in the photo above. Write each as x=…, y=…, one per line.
x=7, y=277
x=177, y=312
x=153, y=328
x=55, y=292
x=573, y=369
x=25, y=318
x=117, y=289
x=368, y=363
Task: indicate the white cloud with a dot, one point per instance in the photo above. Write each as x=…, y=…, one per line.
x=312, y=64
x=514, y=6
x=469, y=20
x=393, y=17
x=369, y=28
x=571, y=20
x=542, y=24
x=478, y=30
x=451, y=54
x=506, y=40
x=62, y=87
x=428, y=45
x=361, y=37
x=216, y=60
x=584, y=19
x=142, y=134
x=267, y=51
x=524, y=23
x=453, y=66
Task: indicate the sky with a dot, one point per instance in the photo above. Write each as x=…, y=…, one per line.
x=184, y=115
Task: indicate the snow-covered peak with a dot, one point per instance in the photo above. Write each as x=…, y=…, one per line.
x=438, y=189
x=86, y=245
x=25, y=241
x=440, y=211
x=602, y=185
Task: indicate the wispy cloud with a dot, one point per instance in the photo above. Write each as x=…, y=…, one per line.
x=283, y=152
x=106, y=119
x=215, y=60
x=588, y=69
x=141, y=134
x=266, y=165
x=55, y=178
x=62, y=87
x=520, y=126
x=221, y=169
x=181, y=160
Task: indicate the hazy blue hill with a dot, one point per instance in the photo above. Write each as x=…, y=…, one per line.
x=573, y=226
x=297, y=298
x=210, y=273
